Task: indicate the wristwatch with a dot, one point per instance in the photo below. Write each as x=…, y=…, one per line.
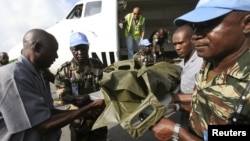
x=176, y=132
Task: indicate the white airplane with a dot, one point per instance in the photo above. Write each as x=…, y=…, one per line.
x=99, y=21
x=100, y=30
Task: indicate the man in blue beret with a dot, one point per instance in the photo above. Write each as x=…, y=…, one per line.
x=145, y=54
x=74, y=80
x=221, y=95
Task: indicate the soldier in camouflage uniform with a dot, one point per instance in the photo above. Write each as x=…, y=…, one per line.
x=222, y=92
x=145, y=54
x=74, y=81
x=157, y=38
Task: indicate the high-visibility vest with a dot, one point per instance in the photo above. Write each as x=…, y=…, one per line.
x=136, y=32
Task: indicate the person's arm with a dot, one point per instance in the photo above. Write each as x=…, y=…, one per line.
x=143, y=28
x=184, y=101
x=64, y=91
x=49, y=75
x=164, y=130
x=185, y=98
x=185, y=107
x=154, y=41
x=68, y=98
x=154, y=44
x=142, y=35
x=60, y=118
x=122, y=23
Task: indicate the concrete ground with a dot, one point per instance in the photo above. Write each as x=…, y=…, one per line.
x=114, y=134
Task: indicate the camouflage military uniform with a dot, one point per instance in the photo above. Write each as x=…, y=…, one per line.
x=87, y=80
x=214, y=102
x=144, y=58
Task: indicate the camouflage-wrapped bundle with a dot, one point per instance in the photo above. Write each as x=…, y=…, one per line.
x=134, y=94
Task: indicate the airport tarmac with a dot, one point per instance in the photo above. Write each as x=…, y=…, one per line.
x=115, y=133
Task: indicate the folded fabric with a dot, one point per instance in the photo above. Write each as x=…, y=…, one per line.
x=137, y=96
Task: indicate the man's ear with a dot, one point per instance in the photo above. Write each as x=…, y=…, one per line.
x=36, y=46
x=246, y=29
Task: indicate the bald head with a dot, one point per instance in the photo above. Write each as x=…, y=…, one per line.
x=163, y=33
x=40, y=48
x=3, y=54
x=185, y=29
x=37, y=36
x=136, y=9
x=4, y=58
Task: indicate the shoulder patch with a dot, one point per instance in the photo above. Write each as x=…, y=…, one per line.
x=63, y=65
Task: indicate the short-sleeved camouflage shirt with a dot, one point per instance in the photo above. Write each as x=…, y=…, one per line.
x=214, y=101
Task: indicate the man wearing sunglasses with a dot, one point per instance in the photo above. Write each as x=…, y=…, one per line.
x=221, y=95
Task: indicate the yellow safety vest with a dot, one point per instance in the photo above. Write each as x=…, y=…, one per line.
x=136, y=32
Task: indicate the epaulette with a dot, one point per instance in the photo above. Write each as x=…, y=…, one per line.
x=63, y=65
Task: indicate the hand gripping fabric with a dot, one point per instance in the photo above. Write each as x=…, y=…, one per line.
x=137, y=96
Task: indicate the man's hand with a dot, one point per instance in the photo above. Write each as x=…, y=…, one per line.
x=82, y=100
x=163, y=130
x=97, y=108
x=98, y=102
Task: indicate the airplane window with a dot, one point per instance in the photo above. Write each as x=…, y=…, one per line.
x=93, y=8
x=76, y=12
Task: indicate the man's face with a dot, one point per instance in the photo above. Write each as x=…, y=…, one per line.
x=182, y=44
x=218, y=38
x=78, y=12
x=163, y=35
x=136, y=13
x=146, y=49
x=48, y=53
x=80, y=53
